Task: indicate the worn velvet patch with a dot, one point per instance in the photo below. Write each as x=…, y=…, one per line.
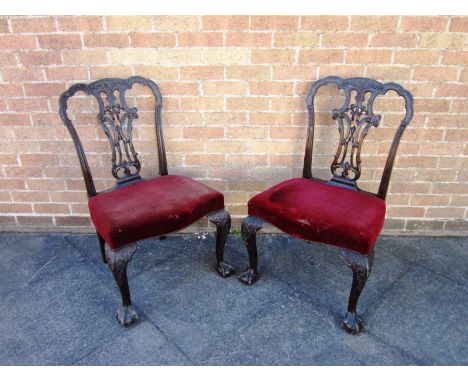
x=321, y=212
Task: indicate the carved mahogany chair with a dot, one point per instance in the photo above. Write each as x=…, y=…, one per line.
x=334, y=212
x=136, y=208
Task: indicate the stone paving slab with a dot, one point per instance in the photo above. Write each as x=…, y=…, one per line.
x=142, y=345
x=59, y=302
x=425, y=315
x=293, y=332
x=58, y=316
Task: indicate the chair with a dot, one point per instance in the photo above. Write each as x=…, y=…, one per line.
x=334, y=212
x=136, y=208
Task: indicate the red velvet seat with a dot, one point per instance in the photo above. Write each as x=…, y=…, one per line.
x=152, y=207
x=320, y=212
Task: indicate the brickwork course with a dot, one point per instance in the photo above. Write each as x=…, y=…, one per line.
x=234, y=111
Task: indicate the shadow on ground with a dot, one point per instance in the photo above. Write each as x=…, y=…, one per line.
x=59, y=301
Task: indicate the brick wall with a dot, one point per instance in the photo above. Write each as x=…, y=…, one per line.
x=234, y=107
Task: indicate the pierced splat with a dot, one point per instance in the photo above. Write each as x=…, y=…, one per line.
x=117, y=123
x=353, y=125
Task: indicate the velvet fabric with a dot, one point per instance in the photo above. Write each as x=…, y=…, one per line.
x=323, y=213
x=151, y=207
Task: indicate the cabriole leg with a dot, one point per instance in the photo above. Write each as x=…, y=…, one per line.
x=222, y=220
x=361, y=266
x=249, y=228
x=117, y=261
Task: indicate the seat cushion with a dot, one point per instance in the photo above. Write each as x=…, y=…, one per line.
x=150, y=208
x=321, y=212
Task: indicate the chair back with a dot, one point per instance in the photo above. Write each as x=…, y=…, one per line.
x=354, y=118
x=116, y=118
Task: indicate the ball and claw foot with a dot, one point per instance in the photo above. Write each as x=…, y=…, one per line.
x=248, y=277
x=351, y=323
x=126, y=315
x=224, y=269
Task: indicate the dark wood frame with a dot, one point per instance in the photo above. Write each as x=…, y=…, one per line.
x=354, y=121
x=116, y=119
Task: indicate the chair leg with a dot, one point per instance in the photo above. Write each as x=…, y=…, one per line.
x=117, y=261
x=222, y=220
x=102, y=244
x=361, y=266
x=249, y=228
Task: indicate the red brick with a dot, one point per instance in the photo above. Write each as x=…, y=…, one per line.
x=374, y=23
x=321, y=56
x=293, y=39
x=225, y=22
x=64, y=73
x=3, y=25
x=418, y=57
x=33, y=24
x=9, y=184
x=295, y=72
x=107, y=40
x=11, y=42
x=272, y=56
x=200, y=39
x=274, y=22
x=84, y=57
x=30, y=196
x=34, y=160
x=72, y=221
x=369, y=56
x=424, y=23
x=201, y=72
x=15, y=120
x=201, y=103
x=15, y=208
x=11, y=90
x=269, y=88
x=7, y=221
x=398, y=40
x=452, y=90
x=80, y=23
x=8, y=60
x=60, y=41
x=128, y=23
x=253, y=39
x=157, y=40
x=459, y=24
x=35, y=221
x=247, y=103
x=322, y=23
x=40, y=58
x=20, y=75
x=344, y=39
x=26, y=105
x=203, y=132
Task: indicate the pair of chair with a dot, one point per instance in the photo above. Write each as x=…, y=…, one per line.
x=336, y=212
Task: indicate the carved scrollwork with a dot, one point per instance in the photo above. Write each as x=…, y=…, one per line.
x=353, y=125
x=116, y=119
x=354, y=120
x=117, y=123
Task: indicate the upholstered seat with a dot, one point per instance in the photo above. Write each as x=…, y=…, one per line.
x=320, y=212
x=150, y=208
